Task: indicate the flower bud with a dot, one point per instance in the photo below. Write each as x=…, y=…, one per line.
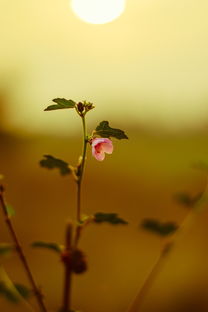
x=80, y=107
x=79, y=263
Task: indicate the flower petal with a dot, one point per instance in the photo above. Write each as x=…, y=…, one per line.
x=100, y=146
x=107, y=147
x=100, y=156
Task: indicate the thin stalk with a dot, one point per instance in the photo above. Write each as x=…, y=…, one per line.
x=21, y=254
x=153, y=273
x=68, y=270
x=71, y=245
x=79, y=181
x=156, y=268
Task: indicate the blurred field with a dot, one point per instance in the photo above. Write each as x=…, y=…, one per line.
x=137, y=181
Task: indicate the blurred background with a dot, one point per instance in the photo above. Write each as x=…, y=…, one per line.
x=146, y=72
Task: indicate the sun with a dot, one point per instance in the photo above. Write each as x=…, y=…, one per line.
x=98, y=11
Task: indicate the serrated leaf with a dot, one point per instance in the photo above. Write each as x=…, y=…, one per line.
x=105, y=131
x=6, y=249
x=157, y=227
x=23, y=290
x=52, y=246
x=61, y=103
x=51, y=162
x=111, y=218
x=186, y=200
x=10, y=293
x=10, y=210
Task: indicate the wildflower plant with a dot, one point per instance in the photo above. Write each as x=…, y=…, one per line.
x=72, y=257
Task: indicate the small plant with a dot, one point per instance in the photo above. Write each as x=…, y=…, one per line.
x=72, y=257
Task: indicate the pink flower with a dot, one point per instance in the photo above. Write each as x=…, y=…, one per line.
x=100, y=146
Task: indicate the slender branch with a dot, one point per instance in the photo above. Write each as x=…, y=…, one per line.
x=156, y=268
x=153, y=273
x=71, y=245
x=79, y=181
x=21, y=254
x=67, y=258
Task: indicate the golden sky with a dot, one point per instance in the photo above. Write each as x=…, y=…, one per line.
x=149, y=66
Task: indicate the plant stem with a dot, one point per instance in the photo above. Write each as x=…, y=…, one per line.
x=21, y=254
x=155, y=270
x=79, y=181
x=138, y=300
x=68, y=270
x=71, y=246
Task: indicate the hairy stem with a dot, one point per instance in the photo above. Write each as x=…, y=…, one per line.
x=21, y=254
x=82, y=165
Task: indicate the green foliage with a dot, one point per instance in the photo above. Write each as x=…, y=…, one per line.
x=111, y=218
x=10, y=293
x=105, y=131
x=188, y=201
x=14, y=292
x=162, y=229
x=52, y=246
x=51, y=162
x=6, y=249
x=10, y=210
x=24, y=291
x=61, y=103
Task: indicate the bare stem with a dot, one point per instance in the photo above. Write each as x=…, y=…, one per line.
x=68, y=270
x=156, y=268
x=153, y=273
x=21, y=254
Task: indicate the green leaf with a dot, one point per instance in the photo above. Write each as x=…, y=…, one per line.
x=111, y=218
x=105, y=131
x=162, y=229
x=10, y=293
x=6, y=249
x=61, y=103
x=186, y=200
x=52, y=246
x=24, y=291
x=51, y=162
x=10, y=210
